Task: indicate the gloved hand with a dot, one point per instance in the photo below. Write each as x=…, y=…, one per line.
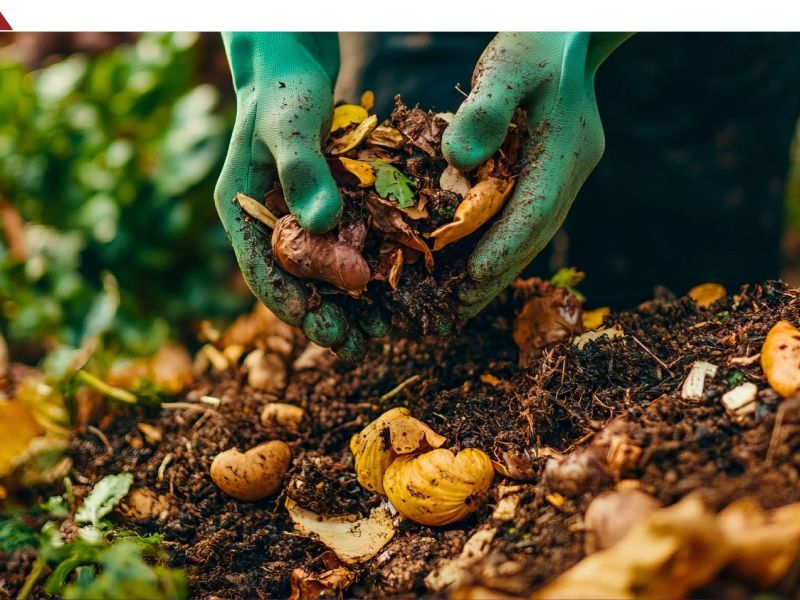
x=551, y=76
x=284, y=104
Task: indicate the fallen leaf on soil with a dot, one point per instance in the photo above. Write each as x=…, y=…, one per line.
x=389, y=221
x=359, y=168
x=457, y=572
x=170, y=370
x=593, y=319
x=454, y=180
x=153, y=435
x=353, y=540
x=550, y=314
x=18, y=427
x=592, y=336
x=318, y=256
x=764, y=544
x=695, y=381
x=390, y=267
x=353, y=138
x=254, y=474
x=780, y=358
x=611, y=515
x=347, y=114
x=740, y=401
x=515, y=466
x=142, y=504
x=265, y=371
x=43, y=462
x=307, y=586
x=283, y=415
x=483, y=201
x=438, y=487
x=667, y=554
x=391, y=183
x=422, y=129
x=394, y=433
x=386, y=136
x=707, y=294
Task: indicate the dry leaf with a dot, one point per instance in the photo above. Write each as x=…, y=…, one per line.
x=18, y=426
x=780, y=358
x=422, y=129
x=347, y=114
x=353, y=138
x=307, y=586
x=707, y=294
x=353, y=540
x=454, y=180
x=483, y=201
x=359, y=168
x=592, y=336
x=142, y=504
x=324, y=257
x=386, y=136
x=389, y=220
x=593, y=319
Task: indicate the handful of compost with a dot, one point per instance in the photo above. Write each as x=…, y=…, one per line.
x=409, y=220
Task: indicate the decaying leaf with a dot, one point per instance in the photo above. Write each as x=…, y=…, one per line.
x=352, y=539
x=695, y=381
x=422, y=129
x=386, y=136
x=454, y=180
x=318, y=256
x=170, y=370
x=592, y=336
x=307, y=586
x=248, y=329
x=483, y=201
x=389, y=221
x=256, y=210
x=142, y=504
x=581, y=470
x=667, y=554
x=551, y=314
x=456, y=572
x=390, y=267
x=347, y=114
x=707, y=294
x=515, y=466
x=393, y=433
x=780, y=358
x=353, y=138
x=391, y=183
x=593, y=319
x=18, y=427
x=359, y=168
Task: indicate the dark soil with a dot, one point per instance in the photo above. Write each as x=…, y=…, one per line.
x=236, y=549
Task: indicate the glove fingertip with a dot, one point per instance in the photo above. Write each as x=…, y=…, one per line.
x=311, y=193
x=354, y=346
x=325, y=326
x=475, y=134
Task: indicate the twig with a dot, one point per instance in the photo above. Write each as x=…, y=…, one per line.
x=773, y=439
x=744, y=360
x=650, y=352
x=180, y=405
x=212, y=400
x=460, y=91
x=257, y=210
x=103, y=438
x=108, y=390
x=400, y=387
x=163, y=466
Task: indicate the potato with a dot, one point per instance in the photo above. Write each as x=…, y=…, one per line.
x=254, y=474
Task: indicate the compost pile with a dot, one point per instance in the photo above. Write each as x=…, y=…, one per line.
x=653, y=452
x=409, y=220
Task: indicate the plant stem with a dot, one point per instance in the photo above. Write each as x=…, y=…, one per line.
x=104, y=388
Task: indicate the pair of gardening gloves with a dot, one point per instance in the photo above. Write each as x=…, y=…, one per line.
x=284, y=87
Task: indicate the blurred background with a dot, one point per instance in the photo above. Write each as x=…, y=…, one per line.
x=110, y=145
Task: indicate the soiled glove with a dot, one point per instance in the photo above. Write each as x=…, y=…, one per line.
x=551, y=76
x=284, y=100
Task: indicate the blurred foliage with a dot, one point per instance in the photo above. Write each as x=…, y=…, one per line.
x=111, y=161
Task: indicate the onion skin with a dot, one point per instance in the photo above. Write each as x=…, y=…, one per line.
x=322, y=257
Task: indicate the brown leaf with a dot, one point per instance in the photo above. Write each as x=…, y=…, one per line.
x=389, y=220
x=390, y=267
x=322, y=257
x=306, y=586
x=387, y=136
x=422, y=129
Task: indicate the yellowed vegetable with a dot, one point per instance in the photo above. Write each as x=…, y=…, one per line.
x=359, y=168
x=707, y=294
x=368, y=100
x=593, y=319
x=438, y=487
x=347, y=114
x=353, y=138
x=385, y=136
x=254, y=474
x=282, y=414
x=353, y=540
x=780, y=358
x=404, y=434
x=482, y=202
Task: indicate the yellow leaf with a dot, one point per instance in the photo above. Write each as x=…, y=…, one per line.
x=483, y=201
x=18, y=426
x=592, y=319
x=353, y=138
x=359, y=168
x=707, y=294
x=346, y=114
x=368, y=100
x=780, y=357
x=386, y=136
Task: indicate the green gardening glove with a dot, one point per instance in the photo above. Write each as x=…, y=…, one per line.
x=284, y=105
x=551, y=76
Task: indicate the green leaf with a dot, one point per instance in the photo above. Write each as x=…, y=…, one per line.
x=105, y=495
x=55, y=506
x=15, y=534
x=735, y=378
x=568, y=278
x=391, y=183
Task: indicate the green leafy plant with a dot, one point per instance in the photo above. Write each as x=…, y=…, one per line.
x=391, y=183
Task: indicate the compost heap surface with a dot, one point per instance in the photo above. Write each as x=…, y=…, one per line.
x=470, y=390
